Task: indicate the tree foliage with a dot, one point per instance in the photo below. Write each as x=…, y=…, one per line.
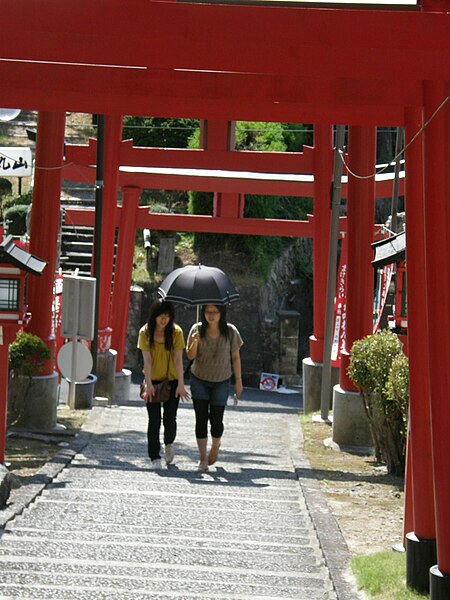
x=155, y=132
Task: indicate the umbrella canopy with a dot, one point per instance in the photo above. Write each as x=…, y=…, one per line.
x=198, y=284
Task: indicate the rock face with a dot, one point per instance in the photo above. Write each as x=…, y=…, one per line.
x=259, y=314
x=7, y=483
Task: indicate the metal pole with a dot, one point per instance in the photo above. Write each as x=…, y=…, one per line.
x=74, y=361
x=99, y=185
x=396, y=185
x=332, y=270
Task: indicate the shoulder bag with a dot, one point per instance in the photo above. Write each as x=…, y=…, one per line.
x=162, y=389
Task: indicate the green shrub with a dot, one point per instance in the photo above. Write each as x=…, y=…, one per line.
x=28, y=354
x=397, y=392
x=5, y=187
x=380, y=370
x=9, y=201
x=16, y=219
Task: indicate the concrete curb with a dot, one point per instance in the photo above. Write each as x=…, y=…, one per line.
x=22, y=497
x=334, y=547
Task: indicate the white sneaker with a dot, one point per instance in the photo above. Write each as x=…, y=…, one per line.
x=169, y=453
x=156, y=465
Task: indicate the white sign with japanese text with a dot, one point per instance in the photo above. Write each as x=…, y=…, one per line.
x=15, y=161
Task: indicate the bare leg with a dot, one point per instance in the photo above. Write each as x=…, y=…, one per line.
x=214, y=452
x=202, y=448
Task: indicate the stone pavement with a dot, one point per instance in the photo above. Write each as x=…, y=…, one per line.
x=97, y=523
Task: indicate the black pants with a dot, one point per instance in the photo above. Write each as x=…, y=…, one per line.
x=204, y=412
x=169, y=419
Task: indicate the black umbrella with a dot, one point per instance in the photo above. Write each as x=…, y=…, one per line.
x=198, y=284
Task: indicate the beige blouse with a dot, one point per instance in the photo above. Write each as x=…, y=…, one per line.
x=213, y=360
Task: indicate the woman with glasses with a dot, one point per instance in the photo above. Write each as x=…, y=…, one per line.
x=214, y=346
x=161, y=341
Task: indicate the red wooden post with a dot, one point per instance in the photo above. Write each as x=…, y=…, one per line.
x=360, y=220
x=229, y=205
x=217, y=135
x=419, y=515
x=124, y=267
x=323, y=170
x=350, y=425
x=437, y=262
x=8, y=335
x=113, y=138
x=45, y=224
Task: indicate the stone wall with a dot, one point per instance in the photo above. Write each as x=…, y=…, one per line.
x=256, y=314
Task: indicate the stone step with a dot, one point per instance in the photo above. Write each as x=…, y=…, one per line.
x=81, y=258
x=136, y=580
x=271, y=537
x=77, y=247
x=175, y=553
x=77, y=230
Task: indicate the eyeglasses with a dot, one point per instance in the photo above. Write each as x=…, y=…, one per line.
x=212, y=312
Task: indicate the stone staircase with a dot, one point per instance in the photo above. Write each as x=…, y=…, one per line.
x=76, y=240
x=76, y=249
x=108, y=528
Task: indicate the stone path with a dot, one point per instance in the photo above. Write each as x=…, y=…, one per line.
x=102, y=525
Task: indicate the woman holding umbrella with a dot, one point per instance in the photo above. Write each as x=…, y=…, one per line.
x=214, y=346
x=161, y=341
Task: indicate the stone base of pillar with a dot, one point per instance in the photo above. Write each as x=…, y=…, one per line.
x=106, y=374
x=420, y=557
x=33, y=405
x=439, y=584
x=350, y=425
x=122, y=390
x=312, y=384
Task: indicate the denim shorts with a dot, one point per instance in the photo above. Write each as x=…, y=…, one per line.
x=216, y=392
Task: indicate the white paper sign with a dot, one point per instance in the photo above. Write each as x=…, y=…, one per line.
x=17, y=162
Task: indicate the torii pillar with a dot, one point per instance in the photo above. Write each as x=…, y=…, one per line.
x=106, y=357
x=420, y=542
x=45, y=222
x=220, y=136
x=437, y=262
x=350, y=425
x=122, y=283
x=323, y=174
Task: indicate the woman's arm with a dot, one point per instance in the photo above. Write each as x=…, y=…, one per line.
x=178, y=360
x=236, y=360
x=148, y=375
x=192, y=343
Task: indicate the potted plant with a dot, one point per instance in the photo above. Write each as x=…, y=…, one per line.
x=29, y=404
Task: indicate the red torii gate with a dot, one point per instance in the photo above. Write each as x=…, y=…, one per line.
x=274, y=63
x=270, y=173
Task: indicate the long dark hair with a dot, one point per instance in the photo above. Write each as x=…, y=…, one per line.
x=223, y=325
x=161, y=307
